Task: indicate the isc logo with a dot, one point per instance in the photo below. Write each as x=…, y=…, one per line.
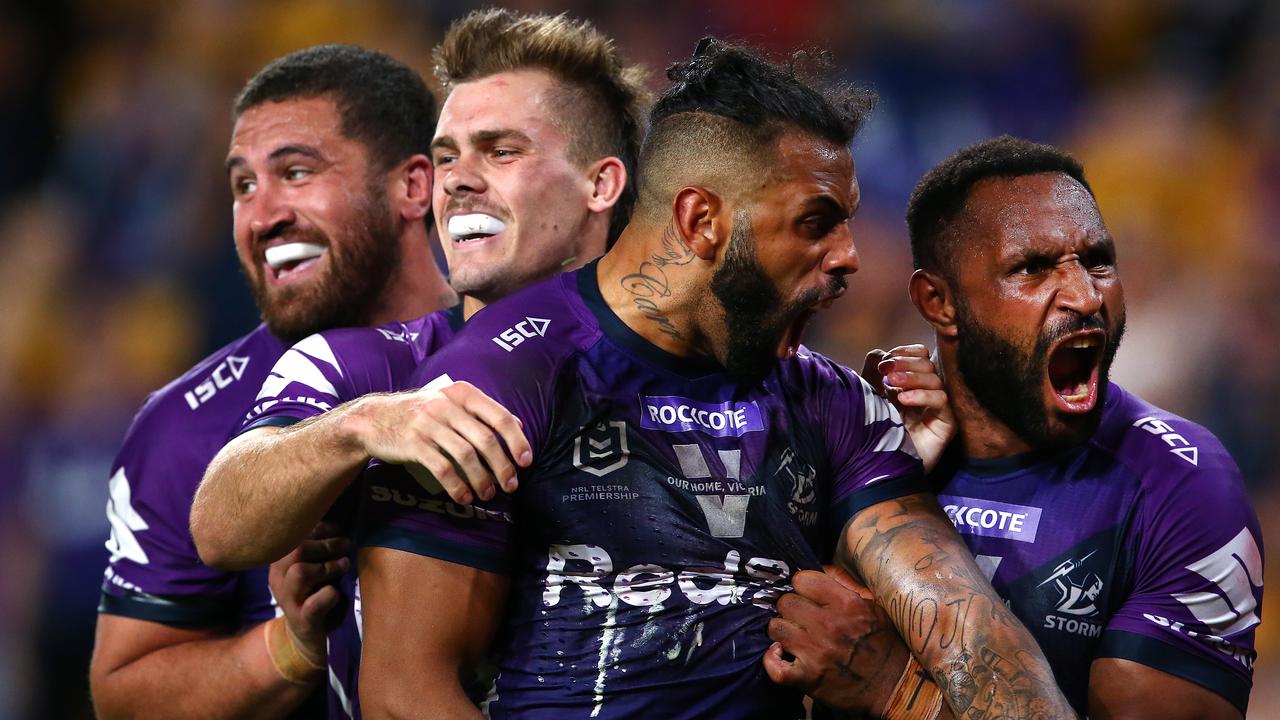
x=510, y=338
x=227, y=372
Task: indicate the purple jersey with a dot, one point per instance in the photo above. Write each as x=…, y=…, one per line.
x=666, y=510
x=1139, y=544
x=314, y=376
x=154, y=572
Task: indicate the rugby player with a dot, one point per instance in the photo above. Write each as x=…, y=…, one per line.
x=331, y=188
x=1120, y=533
x=689, y=454
x=532, y=152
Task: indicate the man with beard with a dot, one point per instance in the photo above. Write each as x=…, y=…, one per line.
x=688, y=453
x=331, y=188
x=541, y=123
x=1119, y=533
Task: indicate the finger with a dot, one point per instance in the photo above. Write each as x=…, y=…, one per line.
x=321, y=550
x=325, y=529
x=798, y=608
x=783, y=671
x=843, y=577
x=910, y=380
x=303, y=578
x=923, y=399
x=915, y=350
x=318, y=605
x=870, y=371
x=491, y=453
x=467, y=462
x=506, y=425
x=441, y=470
x=819, y=588
x=911, y=364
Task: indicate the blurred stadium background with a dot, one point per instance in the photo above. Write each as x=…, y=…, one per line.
x=117, y=270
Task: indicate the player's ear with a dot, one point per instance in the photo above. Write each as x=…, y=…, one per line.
x=697, y=216
x=608, y=177
x=412, y=187
x=934, y=300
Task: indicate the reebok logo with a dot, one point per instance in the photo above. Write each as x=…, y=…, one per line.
x=530, y=327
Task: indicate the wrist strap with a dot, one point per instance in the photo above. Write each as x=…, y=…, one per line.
x=290, y=661
x=915, y=697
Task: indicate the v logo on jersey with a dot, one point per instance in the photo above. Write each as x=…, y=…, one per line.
x=725, y=508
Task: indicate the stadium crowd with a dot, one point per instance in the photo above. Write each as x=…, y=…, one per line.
x=117, y=275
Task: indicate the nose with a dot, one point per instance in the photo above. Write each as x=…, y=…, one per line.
x=462, y=177
x=842, y=256
x=269, y=211
x=1078, y=291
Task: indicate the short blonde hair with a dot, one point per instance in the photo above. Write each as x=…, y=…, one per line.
x=604, y=102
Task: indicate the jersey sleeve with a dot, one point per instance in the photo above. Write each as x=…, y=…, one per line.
x=404, y=508
x=306, y=381
x=1197, y=586
x=872, y=456
x=154, y=572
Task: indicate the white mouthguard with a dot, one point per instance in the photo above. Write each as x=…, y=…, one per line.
x=474, y=224
x=281, y=255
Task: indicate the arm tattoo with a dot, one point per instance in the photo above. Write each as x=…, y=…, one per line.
x=649, y=283
x=985, y=661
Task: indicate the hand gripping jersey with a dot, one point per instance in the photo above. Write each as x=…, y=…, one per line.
x=316, y=375
x=1139, y=544
x=154, y=572
x=666, y=509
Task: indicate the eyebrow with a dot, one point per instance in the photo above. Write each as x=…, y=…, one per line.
x=310, y=151
x=825, y=203
x=481, y=137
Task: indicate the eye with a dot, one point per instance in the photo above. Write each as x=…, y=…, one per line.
x=444, y=159
x=817, y=226
x=243, y=186
x=296, y=173
x=1099, y=258
x=503, y=153
x=1035, y=266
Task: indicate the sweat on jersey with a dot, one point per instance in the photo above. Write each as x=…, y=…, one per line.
x=666, y=509
x=154, y=572
x=1139, y=544
x=316, y=375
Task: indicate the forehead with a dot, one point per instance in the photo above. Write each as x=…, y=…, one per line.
x=522, y=100
x=1044, y=209
x=262, y=128
x=808, y=165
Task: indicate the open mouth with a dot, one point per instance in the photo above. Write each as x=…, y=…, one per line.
x=1073, y=371
x=474, y=226
x=291, y=259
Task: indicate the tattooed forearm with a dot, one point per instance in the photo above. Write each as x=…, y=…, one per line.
x=985, y=661
x=649, y=284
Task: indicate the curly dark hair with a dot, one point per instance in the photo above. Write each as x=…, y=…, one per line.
x=382, y=103
x=941, y=194
x=728, y=104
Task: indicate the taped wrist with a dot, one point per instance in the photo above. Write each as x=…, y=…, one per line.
x=289, y=660
x=915, y=697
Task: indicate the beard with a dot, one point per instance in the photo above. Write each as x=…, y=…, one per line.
x=755, y=316
x=349, y=292
x=1009, y=381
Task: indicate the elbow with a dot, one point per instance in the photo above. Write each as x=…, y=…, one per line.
x=214, y=550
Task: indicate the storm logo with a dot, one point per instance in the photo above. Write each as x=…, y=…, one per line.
x=1076, y=596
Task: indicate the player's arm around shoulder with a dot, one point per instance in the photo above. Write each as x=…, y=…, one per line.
x=269, y=486
x=963, y=635
x=427, y=624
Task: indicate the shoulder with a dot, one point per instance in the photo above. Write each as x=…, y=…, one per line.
x=1164, y=450
x=821, y=383
x=540, y=325
x=214, y=392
